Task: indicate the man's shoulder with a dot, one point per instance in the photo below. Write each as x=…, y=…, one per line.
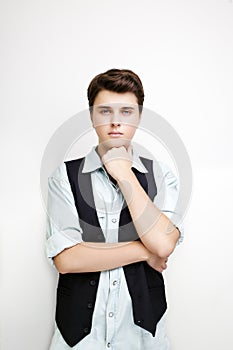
x=60, y=172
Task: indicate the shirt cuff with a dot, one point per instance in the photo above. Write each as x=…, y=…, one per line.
x=61, y=240
x=181, y=231
x=175, y=219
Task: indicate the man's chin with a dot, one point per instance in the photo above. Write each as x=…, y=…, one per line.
x=116, y=142
x=106, y=145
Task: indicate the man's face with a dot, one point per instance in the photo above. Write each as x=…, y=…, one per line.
x=115, y=117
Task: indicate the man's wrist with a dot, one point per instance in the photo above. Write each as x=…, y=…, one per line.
x=143, y=251
x=125, y=176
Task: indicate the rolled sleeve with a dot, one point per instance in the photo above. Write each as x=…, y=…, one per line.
x=167, y=196
x=61, y=240
x=62, y=226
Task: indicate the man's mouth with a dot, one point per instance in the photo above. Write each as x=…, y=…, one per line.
x=115, y=134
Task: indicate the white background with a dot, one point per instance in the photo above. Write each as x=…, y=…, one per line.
x=183, y=52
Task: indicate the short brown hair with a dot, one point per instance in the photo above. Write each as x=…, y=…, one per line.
x=117, y=80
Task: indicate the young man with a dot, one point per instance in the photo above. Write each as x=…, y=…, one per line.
x=106, y=235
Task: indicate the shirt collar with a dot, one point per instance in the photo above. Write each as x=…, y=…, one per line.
x=93, y=162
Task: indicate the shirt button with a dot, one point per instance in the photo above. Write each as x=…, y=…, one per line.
x=114, y=220
x=92, y=282
x=114, y=283
x=108, y=345
x=110, y=314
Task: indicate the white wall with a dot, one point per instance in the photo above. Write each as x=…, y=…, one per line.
x=183, y=52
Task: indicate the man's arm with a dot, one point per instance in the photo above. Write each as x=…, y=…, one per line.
x=91, y=257
x=154, y=228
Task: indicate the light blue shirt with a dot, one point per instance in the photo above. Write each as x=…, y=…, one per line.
x=112, y=324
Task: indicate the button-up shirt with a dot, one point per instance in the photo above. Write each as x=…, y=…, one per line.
x=112, y=324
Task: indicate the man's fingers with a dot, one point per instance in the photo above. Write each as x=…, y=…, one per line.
x=164, y=264
x=117, y=153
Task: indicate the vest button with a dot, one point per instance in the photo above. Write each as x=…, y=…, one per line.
x=86, y=330
x=92, y=282
x=89, y=305
x=140, y=321
x=99, y=237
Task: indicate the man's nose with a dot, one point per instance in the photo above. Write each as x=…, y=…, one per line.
x=115, y=120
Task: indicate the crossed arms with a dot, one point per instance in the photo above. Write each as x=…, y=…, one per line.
x=158, y=238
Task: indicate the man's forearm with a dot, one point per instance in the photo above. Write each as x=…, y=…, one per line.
x=90, y=257
x=154, y=228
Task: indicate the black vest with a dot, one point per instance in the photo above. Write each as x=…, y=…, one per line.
x=76, y=292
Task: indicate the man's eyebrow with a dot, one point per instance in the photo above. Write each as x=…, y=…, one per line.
x=99, y=107
x=128, y=107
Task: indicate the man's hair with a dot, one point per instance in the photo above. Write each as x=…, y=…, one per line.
x=116, y=80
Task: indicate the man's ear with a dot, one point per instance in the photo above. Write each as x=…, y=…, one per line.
x=140, y=112
x=140, y=117
x=91, y=115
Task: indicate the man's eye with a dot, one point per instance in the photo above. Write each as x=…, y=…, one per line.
x=105, y=111
x=126, y=112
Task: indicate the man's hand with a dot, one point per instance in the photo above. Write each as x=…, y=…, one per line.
x=156, y=262
x=118, y=161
